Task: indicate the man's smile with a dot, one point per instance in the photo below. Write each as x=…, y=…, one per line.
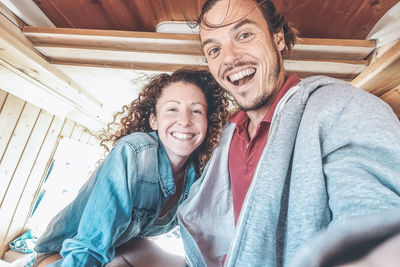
x=241, y=77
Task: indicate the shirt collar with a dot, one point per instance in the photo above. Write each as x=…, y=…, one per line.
x=166, y=177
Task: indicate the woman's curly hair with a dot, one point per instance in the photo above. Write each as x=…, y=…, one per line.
x=135, y=116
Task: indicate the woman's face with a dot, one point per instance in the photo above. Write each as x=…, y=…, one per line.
x=181, y=120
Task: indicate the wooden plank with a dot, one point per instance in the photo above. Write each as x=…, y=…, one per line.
x=393, y=99
x=316, y=48
x=330, y=68
x=27, y=62
x=19, y=179
x=3, y=96
x=25, y=87
x=15, y=148
x=345, y=69
x=9, y=116
x=85, y=136
x=36, y=177
x=383, y=74
x=123, y=40
x=115, y=57
x=77, y=132
x=67, y=129
x=29, y=12
x=137, y=66
x=183, y=44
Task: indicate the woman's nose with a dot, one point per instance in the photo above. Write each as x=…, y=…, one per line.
x=184, y=118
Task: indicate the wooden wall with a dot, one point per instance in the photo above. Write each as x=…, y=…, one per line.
x=28, y=139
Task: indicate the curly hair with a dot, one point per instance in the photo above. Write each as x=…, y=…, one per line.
x=275, y=21
x=135, y=116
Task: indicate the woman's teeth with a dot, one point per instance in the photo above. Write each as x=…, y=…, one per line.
x=182, y=136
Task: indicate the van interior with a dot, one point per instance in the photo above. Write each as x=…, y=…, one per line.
x=66, y=66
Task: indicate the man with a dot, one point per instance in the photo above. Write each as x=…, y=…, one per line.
x=299, y=156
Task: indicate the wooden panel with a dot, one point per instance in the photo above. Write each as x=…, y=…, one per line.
x=33, y=185
x=334, y=18
x=77, y=132
x=134, y=15
x=84, y=138
x=15, y=147
x=393, y=99
x=20, y=58
x=67, y=128
x=21, y=174
x=168, y=52
x=116, y=40
x=183, y=44
x=313, y=18
x=9, y=115
x=383, y=74
x=3, y=96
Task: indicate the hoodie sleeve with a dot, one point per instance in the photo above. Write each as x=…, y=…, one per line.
x=362, y=169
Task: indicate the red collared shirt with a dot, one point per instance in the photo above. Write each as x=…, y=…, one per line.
x=245, y=153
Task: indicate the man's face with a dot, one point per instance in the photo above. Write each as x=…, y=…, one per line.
x=242, y=55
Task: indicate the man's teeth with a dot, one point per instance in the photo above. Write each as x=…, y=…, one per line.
x=182, y=136
x=241, y=75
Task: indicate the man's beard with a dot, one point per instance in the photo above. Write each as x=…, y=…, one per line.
x=262, y=100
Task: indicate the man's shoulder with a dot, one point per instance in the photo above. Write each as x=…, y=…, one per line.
x=334, y=91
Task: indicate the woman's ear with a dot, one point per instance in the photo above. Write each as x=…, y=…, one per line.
x=153, y=122
x=279, y=39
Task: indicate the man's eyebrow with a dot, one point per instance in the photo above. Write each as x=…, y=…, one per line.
x=241, y=23
x=235, y=27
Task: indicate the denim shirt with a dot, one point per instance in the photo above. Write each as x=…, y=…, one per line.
x=121, y=200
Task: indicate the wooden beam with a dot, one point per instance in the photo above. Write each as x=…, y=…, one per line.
x=393, y=99
x=29, y=12
x=20, y=58
x=24, y=87
x=382, y=75
x=184, y=44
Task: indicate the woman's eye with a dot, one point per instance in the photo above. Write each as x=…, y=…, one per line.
x=171, y=109
x=244, y=35
x=198, y=111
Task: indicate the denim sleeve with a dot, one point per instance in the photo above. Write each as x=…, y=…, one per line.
x=363, y=168
x=107, y=213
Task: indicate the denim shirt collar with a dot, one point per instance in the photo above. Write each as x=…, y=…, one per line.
x=165, y=176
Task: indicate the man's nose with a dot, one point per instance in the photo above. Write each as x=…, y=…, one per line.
x=231, y=54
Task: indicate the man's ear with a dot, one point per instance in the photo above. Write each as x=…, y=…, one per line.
x=153, y=122
x=279, y=39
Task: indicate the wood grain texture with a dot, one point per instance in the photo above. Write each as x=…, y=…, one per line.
x=313, y=18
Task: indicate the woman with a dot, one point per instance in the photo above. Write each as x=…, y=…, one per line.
x=164, y=139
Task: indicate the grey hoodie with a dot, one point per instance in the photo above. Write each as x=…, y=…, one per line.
x=333, y=153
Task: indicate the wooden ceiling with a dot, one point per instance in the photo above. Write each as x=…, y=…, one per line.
x=341, y=19
x=86, y=58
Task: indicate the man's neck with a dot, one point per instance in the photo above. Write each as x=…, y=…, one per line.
x=256, y=116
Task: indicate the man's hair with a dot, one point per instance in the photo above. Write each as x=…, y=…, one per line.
x=275, y=21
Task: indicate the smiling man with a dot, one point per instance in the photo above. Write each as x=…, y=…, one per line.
x=298, y=157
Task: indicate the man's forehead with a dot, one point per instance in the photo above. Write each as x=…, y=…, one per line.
x=228, y=11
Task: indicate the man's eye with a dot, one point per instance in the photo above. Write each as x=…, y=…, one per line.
x=213, y=51
x=244, y=35
x=171, y=109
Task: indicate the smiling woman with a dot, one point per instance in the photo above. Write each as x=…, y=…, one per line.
x=161, y=143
